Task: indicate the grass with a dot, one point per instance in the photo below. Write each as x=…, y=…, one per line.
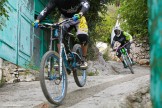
x=92, y=73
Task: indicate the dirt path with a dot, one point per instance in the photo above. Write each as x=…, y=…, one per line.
x=98, y=91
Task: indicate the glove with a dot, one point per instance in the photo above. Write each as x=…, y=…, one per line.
x=35, y=23
x=77, y=16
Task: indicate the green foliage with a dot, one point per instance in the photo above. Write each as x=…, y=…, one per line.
x=93, y=73
x=134, y=15
x=3, y=13
x=104, y=28
x=31, y=65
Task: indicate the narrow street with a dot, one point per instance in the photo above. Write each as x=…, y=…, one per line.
x=103, y=91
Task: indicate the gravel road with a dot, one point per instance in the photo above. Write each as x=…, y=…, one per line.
x=103, y=91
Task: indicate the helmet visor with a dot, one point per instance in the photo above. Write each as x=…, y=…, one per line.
x=117, y=32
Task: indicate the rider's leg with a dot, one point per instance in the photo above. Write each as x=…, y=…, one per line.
x=118, y=54
x=83, y=38
x=82, y=34
x=84, y=49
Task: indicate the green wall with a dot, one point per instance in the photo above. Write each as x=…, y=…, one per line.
x=155, y=32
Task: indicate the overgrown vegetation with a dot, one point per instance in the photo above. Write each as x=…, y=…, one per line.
x=3, y=13
x=92, y=73
x=103, y=28
x=134, y=17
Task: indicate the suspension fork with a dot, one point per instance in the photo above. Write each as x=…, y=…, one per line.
x=50, y=49
x=128, y=57
x=124, y=54
x=124, y=57
x=60, y=50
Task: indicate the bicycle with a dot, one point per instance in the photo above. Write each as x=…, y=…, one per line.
x=56, y=63
x=126, y=58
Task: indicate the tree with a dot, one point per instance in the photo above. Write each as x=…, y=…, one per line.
x=104, y=28
x=134, y=17
x=3, y=13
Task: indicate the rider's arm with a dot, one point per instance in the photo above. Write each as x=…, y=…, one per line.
x=128, y=36
x=113, y=42
x=50, y=6
x=85, y=6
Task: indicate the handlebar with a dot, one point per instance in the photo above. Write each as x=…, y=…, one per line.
x=123, y=46
x=49, y=25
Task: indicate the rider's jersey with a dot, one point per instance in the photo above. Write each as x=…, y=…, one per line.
x=67, y=7
x=123, y=38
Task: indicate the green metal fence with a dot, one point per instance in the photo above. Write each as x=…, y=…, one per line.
x=155, y=32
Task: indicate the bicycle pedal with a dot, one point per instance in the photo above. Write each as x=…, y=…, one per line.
x=70, y=58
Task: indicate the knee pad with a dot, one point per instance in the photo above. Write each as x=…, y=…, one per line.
x=83, y=38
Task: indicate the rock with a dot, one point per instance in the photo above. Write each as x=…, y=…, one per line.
x=101, y=59
x=144, y=62
x=148, y=49
x=143, y=57
x=144, y=41
x=134, y=56
x=147, y=56
x=142, y=50
x=141, y=44
x=148, y=105
x=137, y=45
x=137, y=50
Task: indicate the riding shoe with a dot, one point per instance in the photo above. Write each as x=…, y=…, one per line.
x=84, y=65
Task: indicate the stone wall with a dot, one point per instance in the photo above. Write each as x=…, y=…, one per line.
x=10, y=73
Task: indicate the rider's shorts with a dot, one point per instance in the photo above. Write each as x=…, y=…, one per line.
x=118, y=53
x=80, y=25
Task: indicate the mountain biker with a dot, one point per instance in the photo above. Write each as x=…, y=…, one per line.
x=123, y=38
x=71, y=9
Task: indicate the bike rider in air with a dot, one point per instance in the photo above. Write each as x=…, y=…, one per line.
x=123, y=38
x=71, y=9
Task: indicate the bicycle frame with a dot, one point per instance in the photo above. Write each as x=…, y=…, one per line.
x=124, y=53
x=62, y=50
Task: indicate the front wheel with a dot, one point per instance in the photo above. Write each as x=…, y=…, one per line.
x=53, y=83
x=129, y=64
x=79, y=74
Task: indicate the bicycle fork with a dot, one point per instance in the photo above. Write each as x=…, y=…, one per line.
x=124, y=57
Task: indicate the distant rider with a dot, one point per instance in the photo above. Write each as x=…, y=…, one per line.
x=123, y=38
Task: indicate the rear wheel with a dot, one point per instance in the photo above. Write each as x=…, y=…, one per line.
x=79, y=74
x=53, y=84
